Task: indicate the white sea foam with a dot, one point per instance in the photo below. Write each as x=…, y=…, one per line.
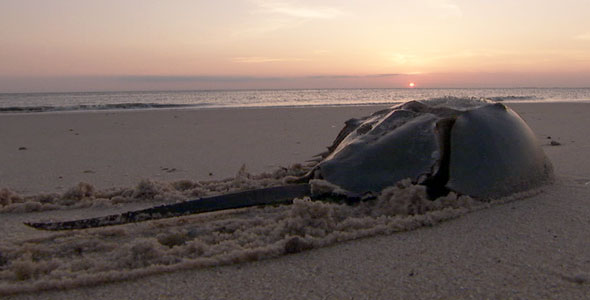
x=85, y=195
x=86, y=257
x=48, y=102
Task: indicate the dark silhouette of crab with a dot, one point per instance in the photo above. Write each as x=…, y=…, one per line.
x=471, y=147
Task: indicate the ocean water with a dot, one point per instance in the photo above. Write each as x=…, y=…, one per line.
x=83, y=101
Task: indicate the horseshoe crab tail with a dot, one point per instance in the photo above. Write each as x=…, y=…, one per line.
x=266, y=196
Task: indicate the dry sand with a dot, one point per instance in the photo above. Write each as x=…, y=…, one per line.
x=535, y=248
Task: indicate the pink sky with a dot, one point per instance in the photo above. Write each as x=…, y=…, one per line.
x=67, y=45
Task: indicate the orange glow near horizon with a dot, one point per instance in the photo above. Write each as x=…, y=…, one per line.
x=86, y=45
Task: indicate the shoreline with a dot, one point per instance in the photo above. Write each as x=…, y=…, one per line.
x=198, y=107
x=175, y=107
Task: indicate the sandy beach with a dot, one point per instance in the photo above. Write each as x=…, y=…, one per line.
x=532, y=248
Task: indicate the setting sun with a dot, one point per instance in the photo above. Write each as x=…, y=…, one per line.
x=411, y=84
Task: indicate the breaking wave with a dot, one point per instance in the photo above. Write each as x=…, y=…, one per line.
x=81, y=101
x=515, y=98
x=89, y=107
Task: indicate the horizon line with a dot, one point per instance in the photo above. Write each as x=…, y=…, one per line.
x=286, y=89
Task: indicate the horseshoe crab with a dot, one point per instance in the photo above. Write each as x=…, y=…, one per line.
x=471, y=147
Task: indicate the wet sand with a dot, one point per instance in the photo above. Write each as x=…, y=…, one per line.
x=530, y=248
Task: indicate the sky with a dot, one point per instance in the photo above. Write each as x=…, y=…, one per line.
x=85, y=45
